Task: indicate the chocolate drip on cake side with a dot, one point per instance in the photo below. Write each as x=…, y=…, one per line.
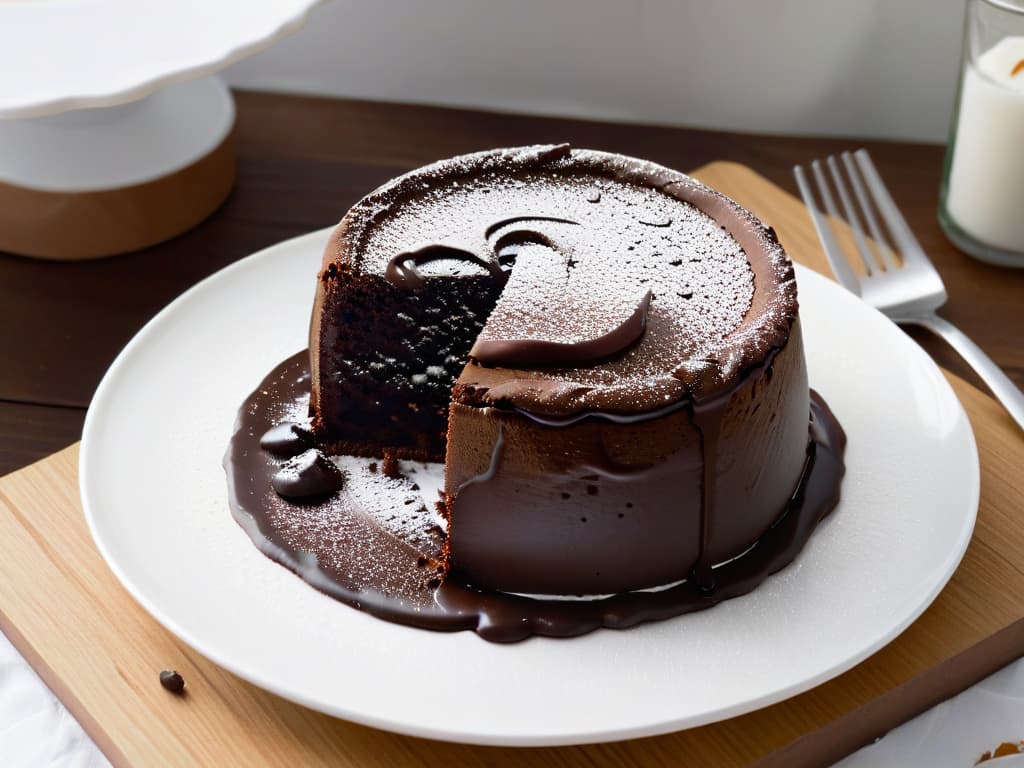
x=351, y=547
x=708, y=420
x=707, y=416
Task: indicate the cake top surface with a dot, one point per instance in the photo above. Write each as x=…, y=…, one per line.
x=627, y=286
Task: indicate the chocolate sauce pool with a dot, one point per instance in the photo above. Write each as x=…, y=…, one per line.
x=376, y=544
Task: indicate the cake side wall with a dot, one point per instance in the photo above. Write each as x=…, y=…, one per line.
x=597, y=507
x=590, y=508
x=762, y=450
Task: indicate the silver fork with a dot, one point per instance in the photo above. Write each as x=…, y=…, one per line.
x=907, y=293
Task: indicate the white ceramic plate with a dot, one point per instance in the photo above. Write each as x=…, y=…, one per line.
x=70, y=54
x=155, y=498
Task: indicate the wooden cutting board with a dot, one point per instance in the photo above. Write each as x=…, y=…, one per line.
x=101, y=653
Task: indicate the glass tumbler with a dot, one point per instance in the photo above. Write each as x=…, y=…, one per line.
x=981, y=207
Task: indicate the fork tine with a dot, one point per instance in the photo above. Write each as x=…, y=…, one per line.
x=866, y=254
x=833, y=252
x=830, y=206
x=904, y=239
x=882, y=248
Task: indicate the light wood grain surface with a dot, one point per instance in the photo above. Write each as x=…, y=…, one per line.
x=101, y=653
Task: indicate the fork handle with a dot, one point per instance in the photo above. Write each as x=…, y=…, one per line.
x=999, y=383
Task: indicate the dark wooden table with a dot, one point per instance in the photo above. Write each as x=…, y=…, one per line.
x=303, y=161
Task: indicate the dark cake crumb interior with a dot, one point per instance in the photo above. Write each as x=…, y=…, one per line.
x=394, y=356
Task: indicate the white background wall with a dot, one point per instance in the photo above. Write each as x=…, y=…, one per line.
x=847, y=67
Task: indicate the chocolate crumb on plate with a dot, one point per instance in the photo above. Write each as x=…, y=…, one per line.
x=390, y=466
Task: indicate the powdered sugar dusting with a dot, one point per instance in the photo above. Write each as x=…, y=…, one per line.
x=623, y=228
x=341, y=535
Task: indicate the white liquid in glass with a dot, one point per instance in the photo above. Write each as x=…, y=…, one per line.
x=986, y=179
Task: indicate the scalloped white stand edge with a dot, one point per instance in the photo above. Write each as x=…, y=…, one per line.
x=103, y=157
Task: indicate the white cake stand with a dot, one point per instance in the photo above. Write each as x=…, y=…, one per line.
x=114, y=134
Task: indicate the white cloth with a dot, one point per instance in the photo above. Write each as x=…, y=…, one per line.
x=957, y=732
x=36, y=731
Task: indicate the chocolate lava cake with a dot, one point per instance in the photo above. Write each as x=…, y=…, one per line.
x=605, y=353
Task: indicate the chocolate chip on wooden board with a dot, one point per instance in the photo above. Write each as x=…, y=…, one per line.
x=172, y=681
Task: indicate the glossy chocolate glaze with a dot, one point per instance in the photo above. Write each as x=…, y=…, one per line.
x=623, y=328
x=402, y=271
x=376, y=546
x=308, y=475
x=287, y=439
